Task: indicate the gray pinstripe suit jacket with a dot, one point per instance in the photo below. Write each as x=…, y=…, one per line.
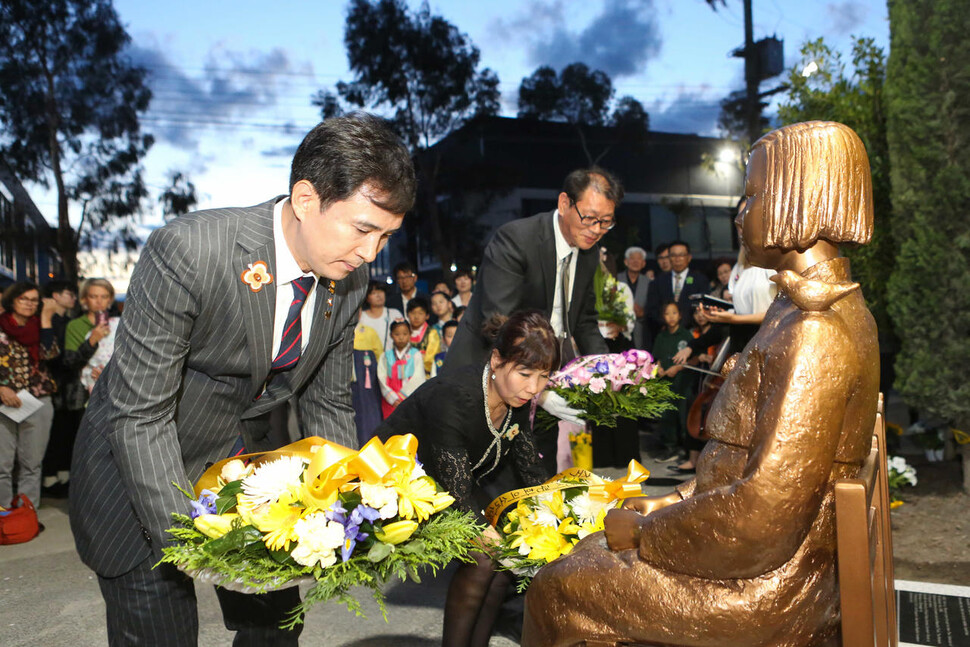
x=191, y=358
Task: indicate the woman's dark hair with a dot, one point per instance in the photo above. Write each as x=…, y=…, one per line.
x=15, y=291
x=400, y=322
x=374, y=286
x=419, y=302
x=466, y=273
x=459, y=311
x=342, y=155
x=525, y=338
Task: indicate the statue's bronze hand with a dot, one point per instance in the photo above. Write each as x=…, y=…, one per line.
x=622, y=529
x=647, y=504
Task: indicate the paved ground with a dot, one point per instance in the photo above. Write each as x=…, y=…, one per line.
x=48, y=597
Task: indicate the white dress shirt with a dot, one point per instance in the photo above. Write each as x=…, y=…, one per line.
x=287, y=270
x=562, y=251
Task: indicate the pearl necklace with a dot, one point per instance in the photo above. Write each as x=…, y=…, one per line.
x=497, y=434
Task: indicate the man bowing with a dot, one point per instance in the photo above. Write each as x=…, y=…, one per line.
x=230, y=313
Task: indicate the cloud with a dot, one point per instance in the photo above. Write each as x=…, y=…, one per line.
x=845, y=17
x=688, y=112
x=229, y=90
x=280, y=151
x=619, y=41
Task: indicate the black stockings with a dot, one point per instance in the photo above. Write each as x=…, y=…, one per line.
x=475, y=596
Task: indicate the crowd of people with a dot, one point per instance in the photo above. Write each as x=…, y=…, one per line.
x=198, y=371
x=52, y=350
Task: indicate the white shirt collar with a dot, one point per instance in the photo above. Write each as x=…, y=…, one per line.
x=562, y=247
x=402, y=354
x=287, y=269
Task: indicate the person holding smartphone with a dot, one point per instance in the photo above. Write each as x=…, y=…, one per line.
x=92, y=331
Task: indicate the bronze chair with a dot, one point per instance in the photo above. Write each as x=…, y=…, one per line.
x=865, y=550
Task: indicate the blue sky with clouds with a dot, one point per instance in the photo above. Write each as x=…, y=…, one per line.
x=232, y=81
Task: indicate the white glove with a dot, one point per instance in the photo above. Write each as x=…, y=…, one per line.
x=556, y=405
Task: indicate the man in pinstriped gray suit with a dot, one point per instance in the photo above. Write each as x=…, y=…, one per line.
x=191, y=372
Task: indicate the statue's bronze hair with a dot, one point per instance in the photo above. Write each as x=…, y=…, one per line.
x=818, y=177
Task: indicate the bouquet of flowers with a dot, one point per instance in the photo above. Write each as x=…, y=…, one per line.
x=610, y=304
x=316, y=511
x=581, y=447
x=548, y=520
x=610, y=386
x=901, y=474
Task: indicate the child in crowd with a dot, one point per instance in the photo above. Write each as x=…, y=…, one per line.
x=423, y=335
x=401, y=369
x=365, y=389
x=443, y=309
x=673, y=423
x=447, y=334
x=702, y=325
x=459, y=312
x=442, y=287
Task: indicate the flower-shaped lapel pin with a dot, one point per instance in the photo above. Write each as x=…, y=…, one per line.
x=256, y=275
x=512, y=432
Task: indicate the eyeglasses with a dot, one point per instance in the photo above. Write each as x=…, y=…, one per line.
x=27, y=300
x=604, y=224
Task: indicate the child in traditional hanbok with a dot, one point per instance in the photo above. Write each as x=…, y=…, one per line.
x=401, y=369
x=447, y=334
x=423, y=335
x=365, y=389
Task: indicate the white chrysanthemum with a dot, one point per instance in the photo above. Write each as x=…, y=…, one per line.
x=525, y=549
x=383, y=499
x=273, y=480
x=317, y=540
x=546, y=517
x=585, y=508
x=417, y=472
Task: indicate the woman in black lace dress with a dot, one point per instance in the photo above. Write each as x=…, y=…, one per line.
x=470, y=424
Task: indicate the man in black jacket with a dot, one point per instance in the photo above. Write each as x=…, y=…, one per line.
x=545, y=262
x=676, y=285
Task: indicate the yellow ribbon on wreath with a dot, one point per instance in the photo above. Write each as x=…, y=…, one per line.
x=600, y=489
x=331, y=465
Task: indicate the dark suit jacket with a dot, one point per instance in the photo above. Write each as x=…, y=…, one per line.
x=518, y=272
x=662, y=291
x=186, y=379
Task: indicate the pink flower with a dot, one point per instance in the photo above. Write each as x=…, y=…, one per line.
x=597, y=385
x=643, y=390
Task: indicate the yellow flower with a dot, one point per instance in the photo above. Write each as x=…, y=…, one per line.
x=214, y=525
x=546, y=543
x=276, y=520
x=568, y=527
x=442, y=500
x=895, y=504
x=395, y=533
x=416, y=497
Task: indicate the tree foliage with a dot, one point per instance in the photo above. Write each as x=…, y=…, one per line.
x=582, y=97
x=416, y=65
x=853, y=96
x=69, y=103
x=928, y=115
x=422, y=71
x=179, y=197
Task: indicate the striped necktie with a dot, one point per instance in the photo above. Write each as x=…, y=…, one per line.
x=290, y=344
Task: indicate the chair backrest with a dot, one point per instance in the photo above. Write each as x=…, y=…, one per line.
x=865, y=550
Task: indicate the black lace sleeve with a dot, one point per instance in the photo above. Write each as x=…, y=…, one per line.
x=452, y=470
x=525, y=459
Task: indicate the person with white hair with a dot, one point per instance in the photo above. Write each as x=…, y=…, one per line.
x=635, y=260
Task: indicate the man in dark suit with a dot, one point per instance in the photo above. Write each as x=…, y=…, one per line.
x=229, y=314
x=405, y=277
x=545, y=262
x=676, y=285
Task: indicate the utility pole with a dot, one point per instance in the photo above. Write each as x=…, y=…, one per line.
x=751, y=76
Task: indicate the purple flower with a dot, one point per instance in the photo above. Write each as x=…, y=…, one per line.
x=337, y=512
x=602, y=366
x=205, y=505
x=352, y=532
